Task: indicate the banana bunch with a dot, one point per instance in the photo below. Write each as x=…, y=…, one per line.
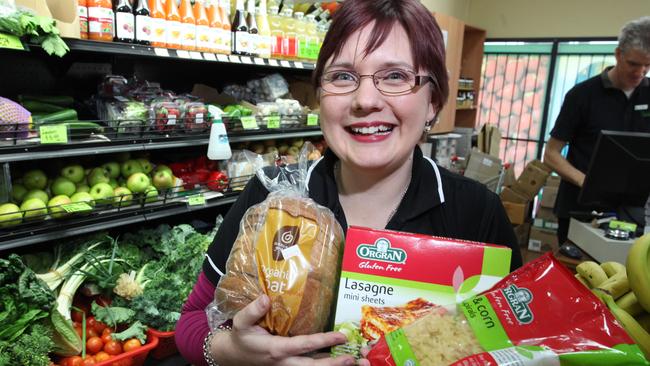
x=625, y=290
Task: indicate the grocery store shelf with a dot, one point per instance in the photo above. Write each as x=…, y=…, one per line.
x=129, y=49
x=42, y=231
x=22, y=150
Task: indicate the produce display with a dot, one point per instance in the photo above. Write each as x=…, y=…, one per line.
x=33, y=28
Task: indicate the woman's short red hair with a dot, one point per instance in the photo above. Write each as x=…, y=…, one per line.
x=427, y=44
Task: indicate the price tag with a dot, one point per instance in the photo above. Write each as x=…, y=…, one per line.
x=273, y=62
x=209, y=56
x=171, y=120
x=298, y=65
x=182, y=54
x=10, y=41
x=222, y=58
x=284, y=63
x=258, y=61
x=76, y=207
x=249, y=123
x=272, y=121
x=198, y=118
x=196, y=200
x=161, y=52
x=54, y=134
x=312, y=119
x=234, y=59
x=196, y=55
x=246, y=60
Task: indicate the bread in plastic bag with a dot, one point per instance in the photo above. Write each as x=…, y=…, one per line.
x=289, y=248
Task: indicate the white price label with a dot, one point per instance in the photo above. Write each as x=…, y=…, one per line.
x=209, y=57
x=199, y=118
x=182, y=54
x=196, y=55
x=284, y=63
x=222, y=58
x=273, y=62
x=298, y=65
x=246, y=60
x=161, y=52
x=171, y=120
x=258, y=61
x=234, y=59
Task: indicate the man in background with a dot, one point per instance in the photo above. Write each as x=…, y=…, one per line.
x=618, y=99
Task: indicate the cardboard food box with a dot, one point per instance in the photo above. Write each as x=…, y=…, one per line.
x=389, y=279
x=532, y=179
x=63, y=11
x=549, y=194
x=510, y=195
x=517, y=212
x=542, y=240
x=482, y=167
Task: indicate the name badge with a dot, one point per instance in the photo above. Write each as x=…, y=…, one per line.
x=641, y=107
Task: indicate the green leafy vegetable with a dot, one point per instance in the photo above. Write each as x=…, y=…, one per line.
x=31, y=348
x=113, y=315
x=36, y=29
x=136, y=330
x=355, y=340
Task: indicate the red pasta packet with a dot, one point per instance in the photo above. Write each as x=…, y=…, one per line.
x=537, y=315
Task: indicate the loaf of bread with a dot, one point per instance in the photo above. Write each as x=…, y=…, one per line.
x=289, y=248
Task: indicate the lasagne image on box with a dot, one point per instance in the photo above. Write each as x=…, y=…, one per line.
x=390, y=279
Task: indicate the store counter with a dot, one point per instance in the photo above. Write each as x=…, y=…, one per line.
x=593, y=241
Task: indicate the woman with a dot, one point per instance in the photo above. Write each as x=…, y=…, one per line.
x=381, y=80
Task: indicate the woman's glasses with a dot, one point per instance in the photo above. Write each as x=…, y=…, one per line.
x=388, y=81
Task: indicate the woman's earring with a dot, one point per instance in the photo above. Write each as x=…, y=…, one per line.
x=427, y=127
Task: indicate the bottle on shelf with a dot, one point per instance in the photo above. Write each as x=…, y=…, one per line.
x=277, y=34
x=218, y=145
x=188, y=26
x=226, y=38
x=158, y=23
x=312, y=38
x=323, y=16
x=124, y=22
x=82, y=11
x=265, y=41
x=100, y=20
x=313, y=7
x=142, y=23
x=301, y=36
x=214, y=22
x=240, y=38
x=174, y=26
x=289, y=49
x=202, y=27
x=253, y=30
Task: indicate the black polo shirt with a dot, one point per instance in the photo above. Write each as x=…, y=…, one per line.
x=589, y=107
x=437, y=202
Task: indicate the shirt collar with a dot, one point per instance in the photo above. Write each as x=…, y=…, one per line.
x=607, y=82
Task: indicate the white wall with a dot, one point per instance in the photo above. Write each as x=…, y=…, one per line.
x=456, y=8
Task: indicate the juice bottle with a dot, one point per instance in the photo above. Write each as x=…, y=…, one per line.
x=312, y=38
x=289, y=48
x=158, y=23
x=239, y=32
x=100, y=20
x=301, y=35
x=277, y=34
x=82, y=10
x=142, y=23
x=264, y=46
x=188, y=26
x=202, y=27
x=124, y=22
x=174, y=26
x=253, y=30
x=226, y=27
x=214, y=22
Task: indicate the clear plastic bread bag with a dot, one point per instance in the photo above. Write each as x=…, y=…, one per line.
x=288, y=248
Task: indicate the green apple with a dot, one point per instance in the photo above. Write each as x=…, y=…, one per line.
x=130, y=167
x=282, y=149
x=150, y=194
x=146, y=165
x=63, y=186
x=102, y=193
x=161, y=167
x=113, y=183
x=297, y=142
x=18, y=192
x=34, y=209
x=98, y=175
x=293, y=151
x=54, y=206
x=163, y=179
x=37, y=193
x=35, y=179
x=113, y=169
x=122, y=197
x=10, y=215
x=83, y=197
x=75, y=173
x=82, y=188
x=138, y=182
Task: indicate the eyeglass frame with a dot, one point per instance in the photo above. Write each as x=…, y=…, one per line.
x=418, y=79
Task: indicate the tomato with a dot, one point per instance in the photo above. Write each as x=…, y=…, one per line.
x=78, y=329
x=94, y=344
x=89, y=361
x=113, y=348
x=72, y=361
x=106, y=338
x=90, y=332
x=99, y=327
x=106, y=331
x=102, y=356
x=131, y=344
x=77, y=316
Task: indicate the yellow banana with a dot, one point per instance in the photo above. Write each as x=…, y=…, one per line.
x=616, y=286
x=644, y=320
x=638, y=270
x=582, y=280
x=630, y=304
x=612, y=268
x=591, y=272
x=633, y=328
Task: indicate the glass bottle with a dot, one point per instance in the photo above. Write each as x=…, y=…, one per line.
x=142, y=23
x=239, y=31
x=158, y=37
x=124, y=22
x=264, y=45
x=253, y=31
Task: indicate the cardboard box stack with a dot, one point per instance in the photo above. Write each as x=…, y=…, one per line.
x=484, y=168
x=517, y=198
x=543, y=234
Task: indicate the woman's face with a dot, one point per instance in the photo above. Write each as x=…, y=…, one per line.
x=366, y=128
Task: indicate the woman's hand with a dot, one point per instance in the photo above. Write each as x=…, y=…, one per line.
x=250, y=344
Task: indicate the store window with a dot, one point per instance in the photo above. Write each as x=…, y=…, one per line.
x=523, y=85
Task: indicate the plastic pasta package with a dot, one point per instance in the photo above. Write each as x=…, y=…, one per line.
x=539, y=315
x=288, y=248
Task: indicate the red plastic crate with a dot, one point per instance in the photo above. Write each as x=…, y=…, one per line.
x=166, y=345
x=135, y=357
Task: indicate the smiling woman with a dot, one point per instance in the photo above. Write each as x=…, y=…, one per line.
x=381, y=80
